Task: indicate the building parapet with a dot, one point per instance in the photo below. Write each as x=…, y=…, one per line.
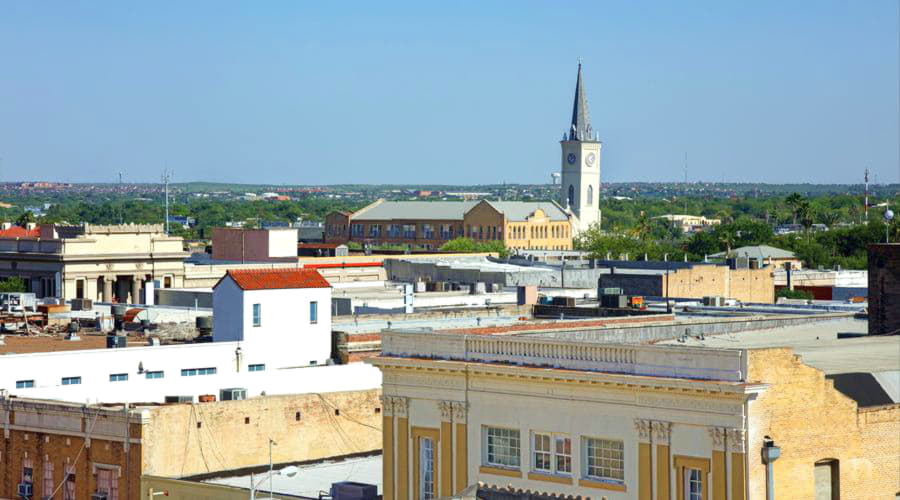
x=658, y=361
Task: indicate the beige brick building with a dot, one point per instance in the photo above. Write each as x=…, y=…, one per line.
x=620, y=421
x=516, y=224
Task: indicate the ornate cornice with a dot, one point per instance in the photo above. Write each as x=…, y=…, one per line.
x=735, y=440
x=446, y=408
x=662, y=432
x=401, y=406
x=387, y=405
x=460, y=411
x=644, y=429
x=717, y=434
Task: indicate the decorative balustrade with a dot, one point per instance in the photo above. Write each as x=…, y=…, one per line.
x=650, y=360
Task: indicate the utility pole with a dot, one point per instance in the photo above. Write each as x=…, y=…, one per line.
x=685, y=183
x=165, y=178
x=866, y=208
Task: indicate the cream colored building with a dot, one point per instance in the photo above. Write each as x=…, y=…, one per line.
x=618, y=421
x=94, y=262
x=689, y=223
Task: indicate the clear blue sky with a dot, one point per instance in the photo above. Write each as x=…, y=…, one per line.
x=447, y=92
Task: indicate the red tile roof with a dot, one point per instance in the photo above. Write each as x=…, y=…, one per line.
x=20, y=232
x=274, y=279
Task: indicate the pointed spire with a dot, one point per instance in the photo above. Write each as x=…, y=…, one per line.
x=580, y=130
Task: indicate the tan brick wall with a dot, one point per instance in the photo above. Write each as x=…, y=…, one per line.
x=812, y=421
x=174, y=446
x=746, y=285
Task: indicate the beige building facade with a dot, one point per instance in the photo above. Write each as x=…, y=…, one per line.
x=619, y=421
x=103, y=263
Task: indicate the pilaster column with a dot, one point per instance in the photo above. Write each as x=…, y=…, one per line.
x=446, y=462
x=738, y=460
x=136, y=289
x=387, y=455
x=645, y=459
x=662, y=433
x=401, y=413
x=719, y=481
x=108, y=289
x=460, y=416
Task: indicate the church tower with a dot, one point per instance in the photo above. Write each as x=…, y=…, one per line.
x=580, y=186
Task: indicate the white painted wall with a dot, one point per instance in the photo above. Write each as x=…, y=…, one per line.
x=285, y=321
x=283, y=242
x=94, y=366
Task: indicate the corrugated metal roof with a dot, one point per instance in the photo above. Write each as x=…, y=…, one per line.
x=456, y=210
x=418, y=210
x=274, y=279
x=759, y=252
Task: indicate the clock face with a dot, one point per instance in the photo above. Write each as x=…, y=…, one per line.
x=591, y=158
x=571, y=158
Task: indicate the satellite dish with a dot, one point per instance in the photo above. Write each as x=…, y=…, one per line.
x=888, y=215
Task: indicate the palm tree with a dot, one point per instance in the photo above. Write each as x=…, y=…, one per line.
x=794, y=200
x=772, y=216
x=829, y=218
x=807, y=217
x=726, y=238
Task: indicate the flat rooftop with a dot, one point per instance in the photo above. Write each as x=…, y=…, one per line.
x=864, y=367
x=313, y=478
x=818, y=344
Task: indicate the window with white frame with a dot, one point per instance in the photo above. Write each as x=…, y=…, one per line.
x=256, y=368
x=502, y=447
x=693, y=484
x=604, y=459
x=257, y=314
x=108, y=483
x=49, y=485
x=313, y=312
x=551, y=453
x=69, y=486
x=24, y=384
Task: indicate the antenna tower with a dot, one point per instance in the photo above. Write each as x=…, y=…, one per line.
x=866, y=208
x=167, y=175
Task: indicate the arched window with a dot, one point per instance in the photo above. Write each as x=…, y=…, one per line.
x=571, y=199
x=590, y=200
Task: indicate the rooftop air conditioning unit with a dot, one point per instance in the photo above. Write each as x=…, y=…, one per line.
x=234, y=394
x=350, y=490
x=179, y=399
x=99, y=495
x=25, y=490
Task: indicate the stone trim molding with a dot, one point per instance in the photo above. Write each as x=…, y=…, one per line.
x=717, y=434
x=663, y=432
x=446, y=408
x=401, y=406
x=735, y=440
x=644, y=429
x=460, y=411
x=387, y=405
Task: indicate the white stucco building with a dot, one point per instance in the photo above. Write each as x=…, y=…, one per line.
x=288, y=309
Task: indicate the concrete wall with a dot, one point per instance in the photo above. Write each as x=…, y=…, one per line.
x=282, y=242
x=812, y=421
x=884, y=288
x=195, y=490
x=306, y=427
x=183, y=297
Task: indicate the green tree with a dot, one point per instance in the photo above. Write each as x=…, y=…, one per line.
x=793, y=201
x=468, y=245
x=829, y=218
x=12, y=284
x=26, y=218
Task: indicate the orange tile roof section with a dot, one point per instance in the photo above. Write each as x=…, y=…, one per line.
x=19, y=232
x=274, y=279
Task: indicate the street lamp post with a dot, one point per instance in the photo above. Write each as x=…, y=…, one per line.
x=888, y=217
x=289, y=471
